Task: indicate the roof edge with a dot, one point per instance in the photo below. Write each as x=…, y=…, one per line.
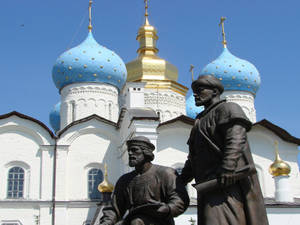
x=94, y=116
x=283, y=134
x=182, y=118
x=23, y=116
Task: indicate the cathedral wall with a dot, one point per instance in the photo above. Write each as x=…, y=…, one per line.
x=80, y=213
x=171, y=146
x=263, y=156
x=287, y=215
x=26, y=145
x=172, y=149
x=245, y=100
x=23, y=216
x=261, y=141
x=83, y=157
x=89, y=145
x=276, y=216
x=84, y=99
x=169, y=104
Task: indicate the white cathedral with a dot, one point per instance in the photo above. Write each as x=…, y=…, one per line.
x=52, y=178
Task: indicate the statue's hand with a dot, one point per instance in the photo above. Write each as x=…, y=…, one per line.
x=164, y=210
x=227, y=178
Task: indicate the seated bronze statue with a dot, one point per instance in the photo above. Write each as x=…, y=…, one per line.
x=151, y=194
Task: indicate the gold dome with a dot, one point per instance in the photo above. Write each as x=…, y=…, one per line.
x=105, y=186
x=279, y=167
x=149, y=66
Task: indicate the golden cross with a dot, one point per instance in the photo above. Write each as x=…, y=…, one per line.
x=223, y=30
x=276, y=144
x=90, y=15
x=146, y=7
x=276, y=150
x=105, y=170
x=192, y=70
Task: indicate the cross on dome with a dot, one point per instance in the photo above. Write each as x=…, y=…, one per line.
x=90, y=27
x=222, y=20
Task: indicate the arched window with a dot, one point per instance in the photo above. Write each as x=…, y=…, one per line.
x=15, y=183
x=95, y=177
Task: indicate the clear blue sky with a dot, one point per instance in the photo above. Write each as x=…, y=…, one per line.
x=34, y=33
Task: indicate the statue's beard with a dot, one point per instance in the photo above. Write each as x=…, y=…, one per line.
x=135, y=162
x=132, y=163
x=201, y=102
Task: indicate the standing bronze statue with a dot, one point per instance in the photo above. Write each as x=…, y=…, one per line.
x=151, y=194
x=220, y=161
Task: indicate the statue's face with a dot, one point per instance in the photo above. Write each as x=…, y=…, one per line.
x=203, y=95
x=136, y=155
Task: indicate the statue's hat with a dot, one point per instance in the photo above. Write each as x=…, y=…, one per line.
x=141, y=141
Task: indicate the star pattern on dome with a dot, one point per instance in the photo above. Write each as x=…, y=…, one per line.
x=89, y=62
x=235, y=73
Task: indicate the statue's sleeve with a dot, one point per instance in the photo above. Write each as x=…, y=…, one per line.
x=177, y=196
x=235, y=138
x=230, y=113
x=186, y=175
x=233, y=124
x=116, y=208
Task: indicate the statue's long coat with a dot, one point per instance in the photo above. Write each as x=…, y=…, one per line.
x=223, y=127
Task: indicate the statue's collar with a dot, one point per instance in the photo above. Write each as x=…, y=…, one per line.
x=208, y=109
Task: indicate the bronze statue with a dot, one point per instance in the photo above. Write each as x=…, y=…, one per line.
x=151, y=194
x=220, y=161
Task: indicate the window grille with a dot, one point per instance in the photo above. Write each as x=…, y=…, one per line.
x=15, y=183
x=95, y=177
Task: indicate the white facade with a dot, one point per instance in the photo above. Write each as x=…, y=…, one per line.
x=27, y=145
x=245, y=100
x=93, y=141
x=84, y=99
x=167, y=103
x=50, y=179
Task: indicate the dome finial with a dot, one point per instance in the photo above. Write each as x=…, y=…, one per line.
x=90, y=16
x=192, y=71
x=146, y=12
x=222, y=20
x=105, y=171
x=279, y=167
x=105, y=186
x=147, y=36
x=277, y=157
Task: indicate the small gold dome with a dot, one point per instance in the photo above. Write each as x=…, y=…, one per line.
x=279, y=167
x=105, y=186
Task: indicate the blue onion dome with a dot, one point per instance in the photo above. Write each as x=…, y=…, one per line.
x=89, y=62
x=54, y=117
x=191, y=109
x=234, y=73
